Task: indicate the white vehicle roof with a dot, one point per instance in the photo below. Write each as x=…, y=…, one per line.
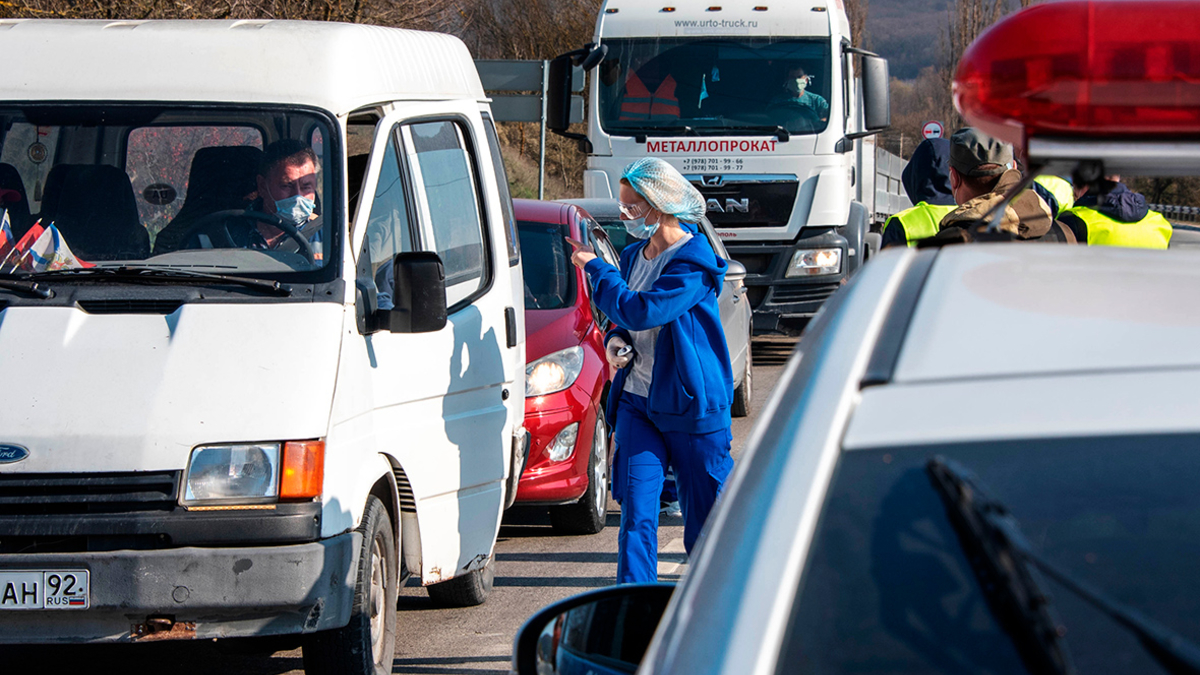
x=335, y=66
x=693, y=18
x=1017, y=310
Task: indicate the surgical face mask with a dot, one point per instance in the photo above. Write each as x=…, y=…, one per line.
x=639, y=228
x=798, y=85
x=296, y=209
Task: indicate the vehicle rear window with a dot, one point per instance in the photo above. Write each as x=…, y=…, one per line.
x=549, y=279
x=887, y=588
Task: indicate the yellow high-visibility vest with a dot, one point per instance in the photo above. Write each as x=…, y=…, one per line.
x=921, y=221
x=1153, y=231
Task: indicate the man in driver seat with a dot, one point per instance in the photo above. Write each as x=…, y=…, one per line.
x=287, y=188
x=796, y=94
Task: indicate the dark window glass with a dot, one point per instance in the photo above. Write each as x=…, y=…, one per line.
x=549, y=276
x=715, y=85
x=887, y=588
x=506, y=207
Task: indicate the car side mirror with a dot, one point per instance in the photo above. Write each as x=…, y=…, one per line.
x=602, y=631
x=736, y=271
x=418, y=294
x=877, y=107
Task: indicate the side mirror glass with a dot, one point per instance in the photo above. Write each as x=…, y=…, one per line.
x=877, y=108
x=558, y=95
x=418, y=285
x=603, y=631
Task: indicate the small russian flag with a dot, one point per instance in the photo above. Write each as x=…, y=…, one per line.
x=74, y=602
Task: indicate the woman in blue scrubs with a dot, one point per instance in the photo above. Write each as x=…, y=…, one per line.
x=669, y=402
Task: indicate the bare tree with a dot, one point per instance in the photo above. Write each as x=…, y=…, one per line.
x=421, y=14
x=856, y=11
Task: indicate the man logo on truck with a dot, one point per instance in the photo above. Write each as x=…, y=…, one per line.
x=731, y=205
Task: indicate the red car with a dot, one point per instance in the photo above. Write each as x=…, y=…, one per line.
x=566, y=376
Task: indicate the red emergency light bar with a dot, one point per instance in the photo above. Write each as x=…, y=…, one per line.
x=1097, y=68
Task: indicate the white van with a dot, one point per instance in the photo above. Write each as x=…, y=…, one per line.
x=227, y=413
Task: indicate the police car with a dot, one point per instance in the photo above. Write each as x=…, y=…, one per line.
x=981, y=458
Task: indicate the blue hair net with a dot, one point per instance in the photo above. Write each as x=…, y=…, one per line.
x=665, y=188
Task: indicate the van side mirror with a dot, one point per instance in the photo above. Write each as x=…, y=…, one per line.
x=418, y=294
x=877, y=107
x=602, y=631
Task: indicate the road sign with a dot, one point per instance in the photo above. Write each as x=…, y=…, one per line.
x=529, y=77
x=932, y=130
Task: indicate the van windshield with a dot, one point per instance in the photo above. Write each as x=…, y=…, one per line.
x=233, y=191
x=700, y=86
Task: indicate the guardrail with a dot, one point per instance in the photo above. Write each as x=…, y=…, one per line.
x=1174, y=212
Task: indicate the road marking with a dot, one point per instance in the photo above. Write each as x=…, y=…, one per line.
x=672, y=558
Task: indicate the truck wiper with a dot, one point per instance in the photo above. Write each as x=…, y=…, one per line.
x=30, y=287
x=160, y=274
x=641, y=134
x=1001, y=557
x=781, y=133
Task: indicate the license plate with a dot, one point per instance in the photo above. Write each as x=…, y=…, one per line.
x=44, y=589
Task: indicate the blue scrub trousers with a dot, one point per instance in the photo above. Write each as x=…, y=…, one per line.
x=701, y=463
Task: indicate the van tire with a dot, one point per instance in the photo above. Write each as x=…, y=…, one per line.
x=588, y=515
x=745, y=391
x=464, y=590
x=356, y=649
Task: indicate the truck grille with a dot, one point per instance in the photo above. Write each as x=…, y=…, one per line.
x=33, y=494
x=803, y=293
x=747, y=200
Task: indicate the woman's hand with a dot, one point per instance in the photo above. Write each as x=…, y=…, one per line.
x=583, y=253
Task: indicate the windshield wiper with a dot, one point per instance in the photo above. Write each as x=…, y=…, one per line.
x=30, y=287
x=781, y=133
x=641, y=133
x=1001, y=557
x=159, y=274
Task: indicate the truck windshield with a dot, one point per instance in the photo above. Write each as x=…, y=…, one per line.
x=233, y=191
x=730, y=86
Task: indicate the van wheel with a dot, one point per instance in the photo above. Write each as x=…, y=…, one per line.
x=366, y=645
x=464, y=590
x=588, y=515
x=744, y=392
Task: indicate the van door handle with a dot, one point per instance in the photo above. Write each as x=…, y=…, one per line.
x=510, y=326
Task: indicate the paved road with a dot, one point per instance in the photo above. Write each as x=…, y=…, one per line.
x=534, y=567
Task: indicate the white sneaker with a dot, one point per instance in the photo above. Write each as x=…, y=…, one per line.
x=671, y=509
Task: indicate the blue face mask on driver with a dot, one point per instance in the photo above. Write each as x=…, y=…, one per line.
x=296, y=209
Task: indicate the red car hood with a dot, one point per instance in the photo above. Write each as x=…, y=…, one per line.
x=550, y=330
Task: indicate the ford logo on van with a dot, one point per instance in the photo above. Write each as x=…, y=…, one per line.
x=12, y=453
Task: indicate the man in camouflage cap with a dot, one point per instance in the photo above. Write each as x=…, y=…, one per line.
x=981, y=177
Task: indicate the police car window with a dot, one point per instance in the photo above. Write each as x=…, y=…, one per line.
x=887, y=588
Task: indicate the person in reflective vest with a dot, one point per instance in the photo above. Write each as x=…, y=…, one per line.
x=1056, y=191
x=926, y=179
x=1116, y=216
x=641, y=104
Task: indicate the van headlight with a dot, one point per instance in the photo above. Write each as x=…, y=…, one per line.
x=815, y=262
x=554, y=372
x=241, y=472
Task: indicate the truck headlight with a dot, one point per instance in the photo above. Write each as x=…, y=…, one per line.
x=815, y=262
x=241, y=472
x=554, y=372
x=564, y=443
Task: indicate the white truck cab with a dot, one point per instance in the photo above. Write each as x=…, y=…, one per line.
x=222, y=420
x=758, y=105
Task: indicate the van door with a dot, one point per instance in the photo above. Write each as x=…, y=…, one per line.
x=440, y=399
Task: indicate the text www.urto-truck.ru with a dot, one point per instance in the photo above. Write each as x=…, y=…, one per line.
x=717, y=23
